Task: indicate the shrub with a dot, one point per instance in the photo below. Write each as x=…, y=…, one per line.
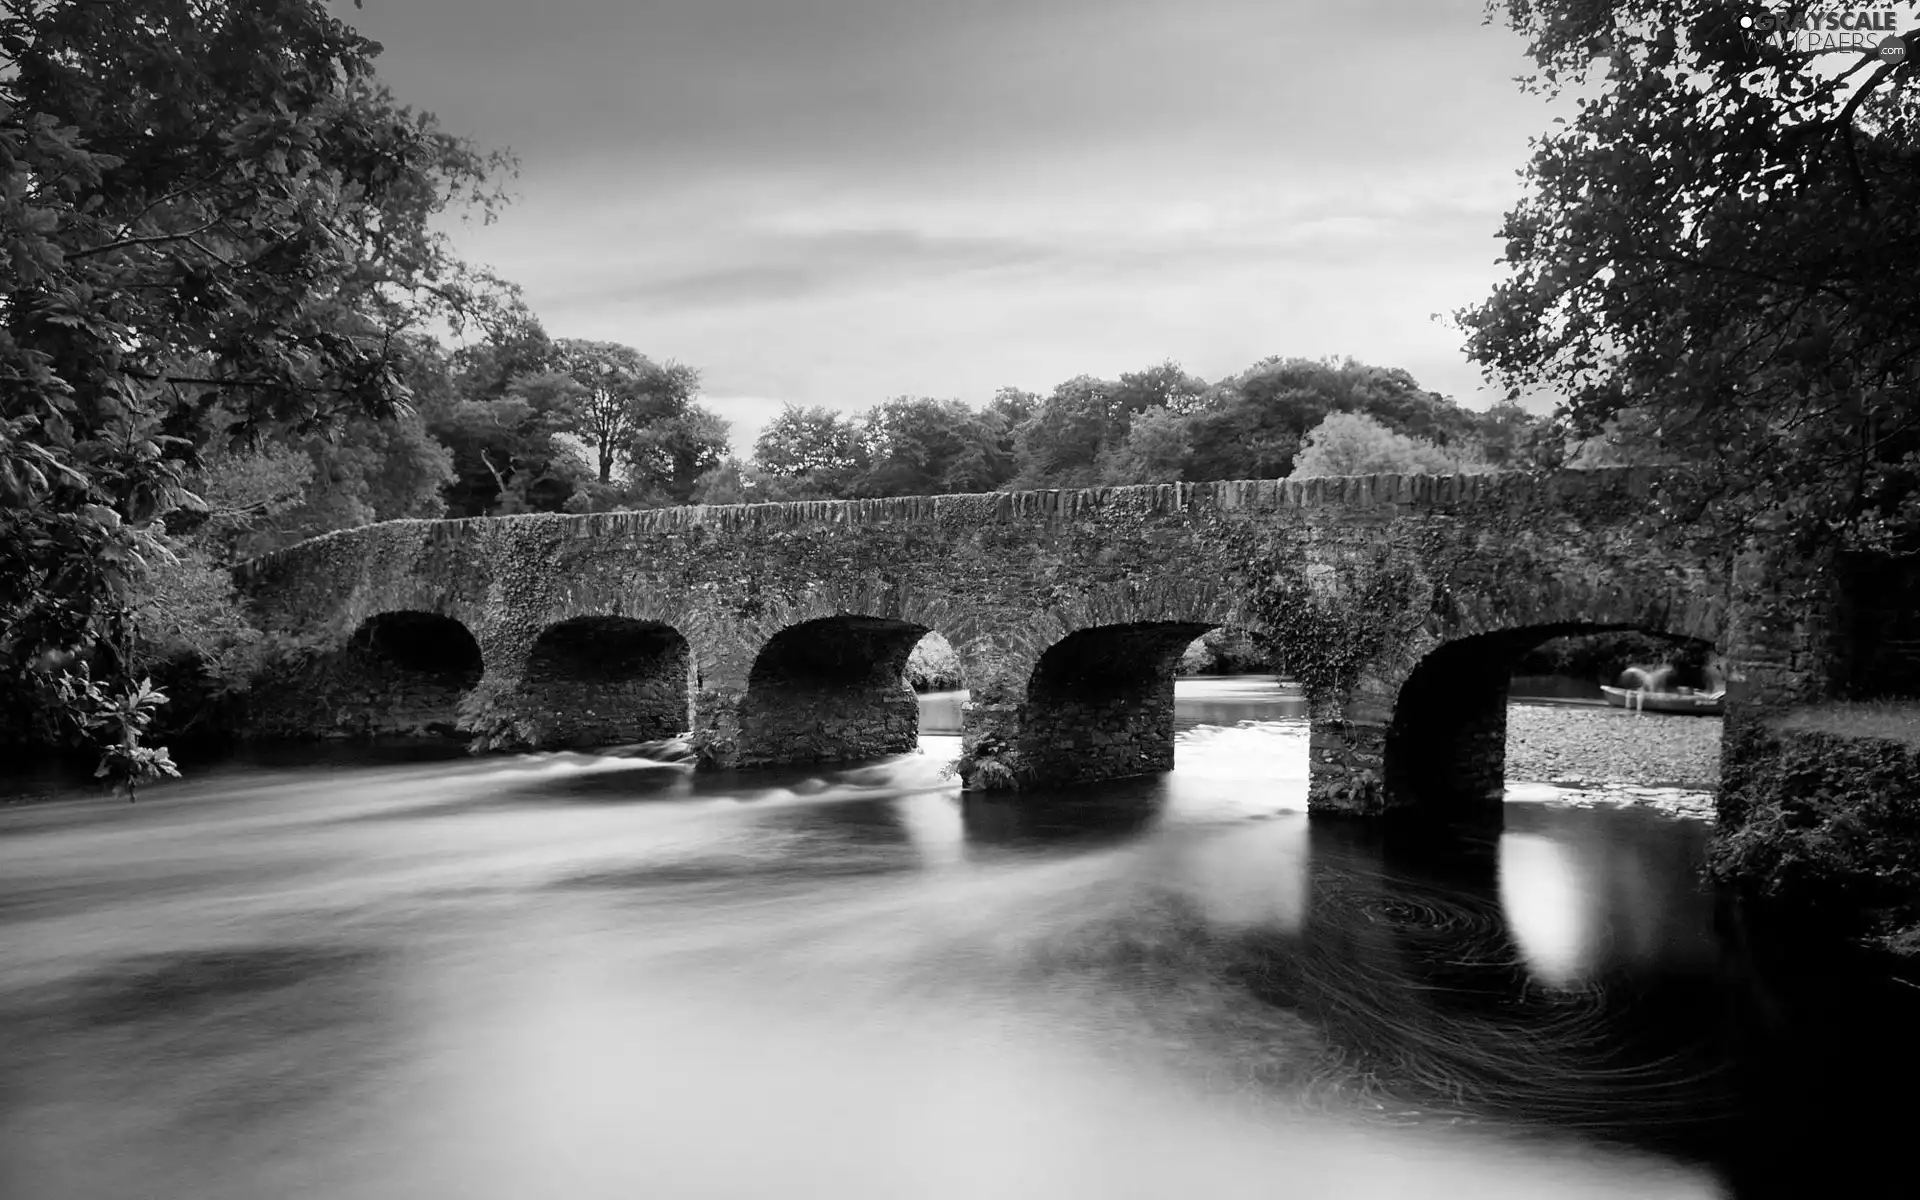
x=1224, y=651
x=933, y=666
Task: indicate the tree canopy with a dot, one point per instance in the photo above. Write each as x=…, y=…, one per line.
x=1356, y=444
x=812, y=452
x=669, y=454
x=621, y=394
x=206, y=208
x=1721, y=244
x=922, y=446
x=1150, y=426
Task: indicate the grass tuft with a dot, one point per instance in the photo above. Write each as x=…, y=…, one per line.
x=1892, y=720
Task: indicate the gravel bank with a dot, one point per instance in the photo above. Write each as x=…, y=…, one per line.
x=1551, y=744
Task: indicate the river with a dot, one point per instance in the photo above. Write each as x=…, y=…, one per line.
x=368, y=972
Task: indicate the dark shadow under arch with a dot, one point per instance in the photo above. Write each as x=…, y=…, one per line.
x=1100, y=702
x=602, y=681
x=408, y=671
x=831, y=690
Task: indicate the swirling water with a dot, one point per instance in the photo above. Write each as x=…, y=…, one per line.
x=358, y=974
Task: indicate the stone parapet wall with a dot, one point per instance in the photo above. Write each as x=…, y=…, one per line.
x=1565, y=489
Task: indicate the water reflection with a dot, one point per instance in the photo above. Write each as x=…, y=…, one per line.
x=1547, y=899
x=935, y=828
x=1591, y=890
x=575, y=975
x=1257, y=880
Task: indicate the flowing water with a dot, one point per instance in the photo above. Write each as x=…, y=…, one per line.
x=358, y=973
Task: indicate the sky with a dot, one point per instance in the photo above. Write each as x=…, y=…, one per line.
x=838, y=201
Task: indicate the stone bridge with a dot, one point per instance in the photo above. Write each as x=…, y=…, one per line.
x=776, y=633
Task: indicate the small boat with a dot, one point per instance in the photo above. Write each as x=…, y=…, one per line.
x=1683, y=700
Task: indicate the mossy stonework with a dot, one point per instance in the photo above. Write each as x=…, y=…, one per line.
x=1067, y=611
x=402, y=674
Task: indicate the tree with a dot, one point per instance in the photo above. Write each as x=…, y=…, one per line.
x=1013, y=406
x=505, y=411
x=1155, y=449
x=621, y=392
x=1629, y=439
x=204, y=205
x=1167, y=386
x=349, y=470
x=242, y=490
x=1234, y=439
x=1251, y=426
x=1725, y=239
x=513, y=345
x=669, y=455
x=512, y=453
x=1356, y=444
x=816, y=452
x=723, y=483
x=1511, y=438
x=1060, y=445
x=1070, y=435
x=363, y=471
x=919, y=446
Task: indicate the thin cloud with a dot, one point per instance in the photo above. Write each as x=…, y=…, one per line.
x=791, y=267
x=833, y=201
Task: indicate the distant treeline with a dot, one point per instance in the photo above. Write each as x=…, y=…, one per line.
x=1601, y=657
x=1278, y=417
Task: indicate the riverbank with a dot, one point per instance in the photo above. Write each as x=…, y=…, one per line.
x=1821, y=820
x=1582, y=744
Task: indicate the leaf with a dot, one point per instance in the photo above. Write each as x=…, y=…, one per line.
x=102, y=516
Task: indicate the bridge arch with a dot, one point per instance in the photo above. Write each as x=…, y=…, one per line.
x=415, y=640
x=606, y=680
x=830, y=689
x=1443, y=750
x=398, y=672
x=1421, y=729
x=1099, y=702
x=1084, y=690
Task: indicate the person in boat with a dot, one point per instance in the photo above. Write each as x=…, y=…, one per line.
x=1648, y=679
x=1660, y=678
